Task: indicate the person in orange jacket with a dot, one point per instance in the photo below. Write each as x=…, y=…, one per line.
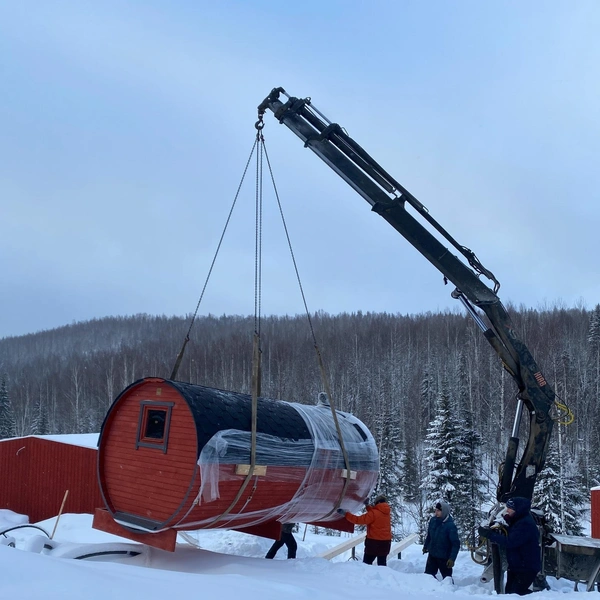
x=379, y=530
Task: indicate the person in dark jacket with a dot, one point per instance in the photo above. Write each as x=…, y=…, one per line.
x=287, y=538
x=442, y=542
x=523, y=550
x=379, y=530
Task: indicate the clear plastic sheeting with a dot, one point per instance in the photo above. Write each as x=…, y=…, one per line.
x=232, y=446
x=314, y=466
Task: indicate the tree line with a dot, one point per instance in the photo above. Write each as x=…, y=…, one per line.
x=429, y=387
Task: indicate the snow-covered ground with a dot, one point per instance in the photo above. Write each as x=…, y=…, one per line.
x=228, y=565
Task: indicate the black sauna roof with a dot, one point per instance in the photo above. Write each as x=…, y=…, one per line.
x=215, y=410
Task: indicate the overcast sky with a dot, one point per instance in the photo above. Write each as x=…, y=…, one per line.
x=125, y=128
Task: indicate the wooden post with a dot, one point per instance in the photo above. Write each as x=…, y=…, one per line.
x=59, y=513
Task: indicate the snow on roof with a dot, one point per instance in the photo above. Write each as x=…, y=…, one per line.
x=86, y=440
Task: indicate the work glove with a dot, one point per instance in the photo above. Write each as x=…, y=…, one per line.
x=341, y=511
x=449, y=563
x=484, y=532
x=425, y=551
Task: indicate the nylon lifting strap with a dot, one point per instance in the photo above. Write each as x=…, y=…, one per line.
x=324, y=377
x=256, y=350
x=177, y=364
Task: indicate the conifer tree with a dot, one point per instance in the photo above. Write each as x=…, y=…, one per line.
x=594, y=329
x=40, y=425
x=410, y=480
x=390, y=446
x=470, y=496
x=558, y=494
x=445, y=452
x=8, y=427
x=428, y=392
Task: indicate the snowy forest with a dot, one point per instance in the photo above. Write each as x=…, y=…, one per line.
x=429, y=387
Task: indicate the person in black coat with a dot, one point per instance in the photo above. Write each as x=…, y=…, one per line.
x=442, y=542
x=523, y=549
x=287, y=538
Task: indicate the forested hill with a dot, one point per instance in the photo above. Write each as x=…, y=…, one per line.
x=387, y=369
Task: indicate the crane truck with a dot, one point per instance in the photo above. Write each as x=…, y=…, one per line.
x=475, y=287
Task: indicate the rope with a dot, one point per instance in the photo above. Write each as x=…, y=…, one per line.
x=256, y=351
x=187, y=337
x=338, y=431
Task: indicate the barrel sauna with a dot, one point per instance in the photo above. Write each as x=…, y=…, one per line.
x=173, y=456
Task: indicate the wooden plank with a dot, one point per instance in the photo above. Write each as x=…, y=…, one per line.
x=141, y=469
x=344, y=546
x=147, y=456
x=145, y=489
x=148, y=497
x=149, y=485
x=259, y=470
x=128, y=448
x=359, y=539
x=149, y=480
x=403, y=544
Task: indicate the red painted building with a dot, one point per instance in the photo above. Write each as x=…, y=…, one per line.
x=596, y=512
x=36, y=472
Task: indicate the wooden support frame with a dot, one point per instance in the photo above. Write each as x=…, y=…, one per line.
x=351, y=543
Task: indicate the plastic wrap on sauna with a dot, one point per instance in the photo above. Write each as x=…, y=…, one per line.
x=319, y=454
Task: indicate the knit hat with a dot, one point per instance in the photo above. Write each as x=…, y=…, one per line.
x=444, y=507
x=519, y=504
x=380, y=498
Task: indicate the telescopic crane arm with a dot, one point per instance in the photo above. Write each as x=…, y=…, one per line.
x=390, y=200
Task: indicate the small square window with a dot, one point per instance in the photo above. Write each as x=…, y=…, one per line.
x=153, y=425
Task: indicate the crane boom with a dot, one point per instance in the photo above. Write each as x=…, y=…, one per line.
x=390, y=200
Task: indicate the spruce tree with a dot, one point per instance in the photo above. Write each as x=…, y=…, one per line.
x=428, y=392
x=445, y=454
x=471, y=495
x=410, y=480
x=7, y=420
x=390, y=442
x=558, y=494
x=594, y=329
x=40, y=425
x=469, y=500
